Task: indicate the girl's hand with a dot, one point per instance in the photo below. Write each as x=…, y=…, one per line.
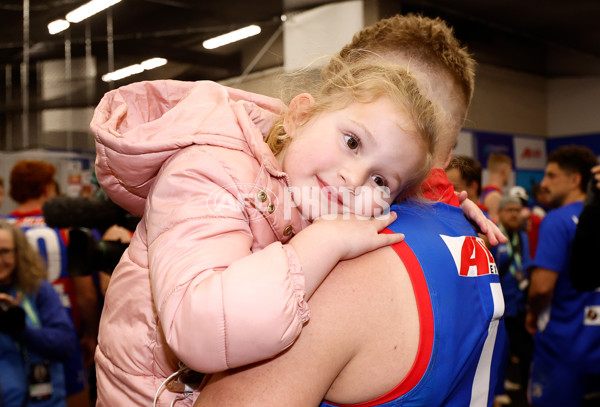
x=487, y=227
x=357, y=235
x=325, y=242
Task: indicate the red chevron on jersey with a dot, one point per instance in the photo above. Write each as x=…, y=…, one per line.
x=470, y=255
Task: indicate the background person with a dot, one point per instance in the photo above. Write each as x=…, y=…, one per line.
x=36, y=332
x=32, y=183
x=513, y=259
x=499, y=167
x=531, y=218
x=465, y=175
x=587, y=239
x=566, y=327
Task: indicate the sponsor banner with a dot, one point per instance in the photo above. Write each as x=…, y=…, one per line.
x=464, y=144
x=530, y=153
x=491, y=143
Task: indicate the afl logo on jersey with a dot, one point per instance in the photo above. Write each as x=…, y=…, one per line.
x=471, y=257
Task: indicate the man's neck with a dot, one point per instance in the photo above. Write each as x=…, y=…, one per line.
x=497, y=180
x=31, y=205
x=574, y=196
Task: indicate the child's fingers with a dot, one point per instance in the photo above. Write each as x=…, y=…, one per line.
x=492, y=239
x=394, y=238
x=495, y=235
x=385, y=220
x=462, y=196
x=384, y=240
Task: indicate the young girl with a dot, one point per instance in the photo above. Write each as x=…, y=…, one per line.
x=219, y=269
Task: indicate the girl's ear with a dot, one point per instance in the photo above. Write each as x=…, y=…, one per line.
x=298, y=111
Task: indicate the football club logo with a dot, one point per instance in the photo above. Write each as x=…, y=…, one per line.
x=471, y=257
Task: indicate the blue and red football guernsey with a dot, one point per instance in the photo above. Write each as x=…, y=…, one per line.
x=51, y=244
x=460, y=305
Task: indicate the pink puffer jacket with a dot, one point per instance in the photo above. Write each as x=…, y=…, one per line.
x=206, y=279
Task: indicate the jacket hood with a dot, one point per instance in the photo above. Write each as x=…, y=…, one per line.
x=139, y=126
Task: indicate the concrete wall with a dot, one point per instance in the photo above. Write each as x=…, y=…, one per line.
x=573, y=106
x=507, y=101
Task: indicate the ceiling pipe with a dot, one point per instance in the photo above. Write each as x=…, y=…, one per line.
x=25, y=77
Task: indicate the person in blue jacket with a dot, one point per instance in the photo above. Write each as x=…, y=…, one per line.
x=513, y=259
x=36, y=333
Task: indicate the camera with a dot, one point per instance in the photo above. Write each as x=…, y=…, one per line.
x=12, y=319
x=86, y=253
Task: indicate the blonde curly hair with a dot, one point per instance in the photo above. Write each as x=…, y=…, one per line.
x=365, y=82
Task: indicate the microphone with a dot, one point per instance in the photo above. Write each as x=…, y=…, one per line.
x=64, y=212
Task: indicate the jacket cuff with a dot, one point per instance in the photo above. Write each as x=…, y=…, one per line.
x=299, y=282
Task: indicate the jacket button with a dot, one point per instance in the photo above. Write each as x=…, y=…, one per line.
x=288, y=230
x=262, y=196
x=271, y=208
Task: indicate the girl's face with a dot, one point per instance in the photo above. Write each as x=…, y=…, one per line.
x=7, y=256
x=357, y=159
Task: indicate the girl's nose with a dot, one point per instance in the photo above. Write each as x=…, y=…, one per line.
x=354, y=174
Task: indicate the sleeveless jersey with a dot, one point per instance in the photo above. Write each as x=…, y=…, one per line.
x=460, y=304
x=486, y=190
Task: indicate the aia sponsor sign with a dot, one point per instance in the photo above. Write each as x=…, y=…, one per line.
x=471, y=257
x=530, y=153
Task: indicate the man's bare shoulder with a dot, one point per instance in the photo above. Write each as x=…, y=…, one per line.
x=360, y=342
x=363, y=296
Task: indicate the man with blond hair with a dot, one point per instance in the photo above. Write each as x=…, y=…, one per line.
x=499, y=167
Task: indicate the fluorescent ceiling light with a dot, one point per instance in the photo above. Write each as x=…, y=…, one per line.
x=122, y=73
x=230, y=37
x=57, y=26
x=134, y=69
x=89, y=9
x=153, y=63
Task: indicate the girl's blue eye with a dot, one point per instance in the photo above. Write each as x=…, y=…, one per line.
x=352, y=141
x=380, y=181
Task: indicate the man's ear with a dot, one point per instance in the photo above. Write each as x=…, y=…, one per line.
x=298, y=112
x=575, y=178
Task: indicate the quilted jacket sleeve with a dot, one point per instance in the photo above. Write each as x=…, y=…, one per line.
x=220, y=305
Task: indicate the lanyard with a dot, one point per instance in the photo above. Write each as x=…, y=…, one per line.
x=26, y=304
x=513, y=250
